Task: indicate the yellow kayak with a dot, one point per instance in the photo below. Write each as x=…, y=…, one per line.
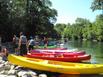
x=56, y=66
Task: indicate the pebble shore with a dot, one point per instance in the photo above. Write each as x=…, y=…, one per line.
x=9, y=70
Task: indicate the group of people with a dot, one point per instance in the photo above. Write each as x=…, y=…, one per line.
x=21, y=45
x=24, y=45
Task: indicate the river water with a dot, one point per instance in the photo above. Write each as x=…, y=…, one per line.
x=95, y=49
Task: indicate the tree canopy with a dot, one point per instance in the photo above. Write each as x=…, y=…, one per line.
x=34, y=17
x=97, y=5
x=82, y=29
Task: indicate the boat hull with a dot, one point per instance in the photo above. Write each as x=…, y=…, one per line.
x=56, y=66
x=64, y=53
x=60, y=57
x=54, y=46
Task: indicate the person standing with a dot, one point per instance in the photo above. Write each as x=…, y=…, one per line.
x=22, y=44
x=31, y=44
x=45, y=42
x=37, y=41
x=15, y=42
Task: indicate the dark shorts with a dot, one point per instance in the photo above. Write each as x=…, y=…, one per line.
x=16, y=46
x=23, y=49
x=31, y=47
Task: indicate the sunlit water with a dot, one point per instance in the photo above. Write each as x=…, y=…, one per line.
x=95, y=49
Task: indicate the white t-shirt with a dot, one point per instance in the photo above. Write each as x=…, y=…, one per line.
x=31, y=42
x=23, y=39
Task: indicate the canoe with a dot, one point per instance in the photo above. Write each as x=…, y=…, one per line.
x=56, y=66
x=52, y=46
x=59, y=53
x=55, y=50
x=60, y=57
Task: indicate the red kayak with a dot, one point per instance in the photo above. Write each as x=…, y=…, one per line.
x=52, y=48
x=58, y=53
x=58, y=57
x=64, y=52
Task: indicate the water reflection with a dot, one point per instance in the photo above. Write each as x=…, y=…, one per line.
x=95, y=49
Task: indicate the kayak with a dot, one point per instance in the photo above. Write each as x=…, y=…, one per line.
x=55, y=50
x=51, y=46
x=56, y=66
x=60, y=57
x=58, y=53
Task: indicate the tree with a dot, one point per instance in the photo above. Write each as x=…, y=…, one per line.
x=97, y=5
x=30, y=16
x=60, y=28
x=99, y=27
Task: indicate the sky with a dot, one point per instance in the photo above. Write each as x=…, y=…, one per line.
x=69, y=10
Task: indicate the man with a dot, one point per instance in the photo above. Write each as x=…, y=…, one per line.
x=22, y=44
x=15, y=42
x=31, y=44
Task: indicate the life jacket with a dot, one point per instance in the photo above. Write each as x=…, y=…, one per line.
x=23, y=39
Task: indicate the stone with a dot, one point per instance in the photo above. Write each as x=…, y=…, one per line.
x=42, y=75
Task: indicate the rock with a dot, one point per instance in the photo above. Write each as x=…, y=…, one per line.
x=27, y=73
x=2, y=67
x=2, y=75
x=21, y=73
x=42, y=75
x=32, y=73
x=17, y=68
x=11, y=76
x=4, y=72
x=12, y=72
x=1, y=72
x=7, y=67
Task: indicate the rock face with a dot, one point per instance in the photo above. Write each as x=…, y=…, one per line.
x=9, y=70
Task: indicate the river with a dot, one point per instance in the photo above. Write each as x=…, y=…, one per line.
x=95, y=49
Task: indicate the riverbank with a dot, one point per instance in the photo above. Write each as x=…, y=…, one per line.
x=8, y=69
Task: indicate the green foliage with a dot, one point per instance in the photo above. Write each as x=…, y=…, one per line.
x=97, y=5
x=83, y=29
x=30, y=16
